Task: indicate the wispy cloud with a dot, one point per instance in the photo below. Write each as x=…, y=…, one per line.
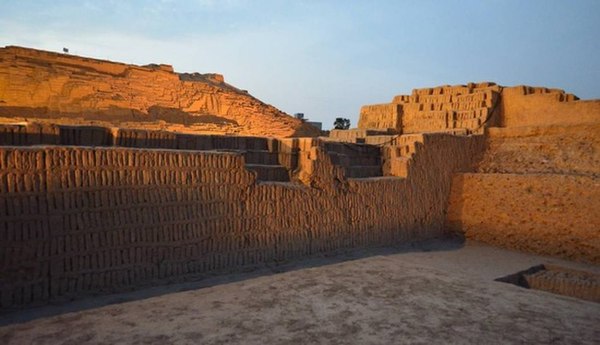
x=327, y=58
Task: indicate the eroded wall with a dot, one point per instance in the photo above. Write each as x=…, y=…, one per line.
x=474, y=106
x=536, y=189
x=547, y=214
x=569, y=150
x=77, y=220
x=50, y=134
x=381, y=116
x=460, y=108
x=69, y=89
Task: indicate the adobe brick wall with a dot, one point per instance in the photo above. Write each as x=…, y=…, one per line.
x=548, y=214
x=53, y=134
x=439, y=109
x=538, y=106
x=573, y=150
x=380, y=116
x=80, y=220
x=476, y=105
x=536, y=189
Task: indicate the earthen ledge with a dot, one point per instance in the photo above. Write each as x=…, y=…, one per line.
x=375, y=179
x=119, y=148
x=528, y=131
x=286, y=184
x=532, y=175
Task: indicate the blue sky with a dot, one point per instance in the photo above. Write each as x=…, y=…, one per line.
x=327, y=58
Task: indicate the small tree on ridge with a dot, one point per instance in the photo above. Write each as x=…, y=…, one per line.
x=341, y=123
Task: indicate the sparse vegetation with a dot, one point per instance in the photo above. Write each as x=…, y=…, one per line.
x=341, y=123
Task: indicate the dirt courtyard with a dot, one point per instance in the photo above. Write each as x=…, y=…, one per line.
x=437, y=292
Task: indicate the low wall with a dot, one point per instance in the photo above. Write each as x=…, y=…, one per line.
x=380, y=116
x=356, y=135
x=526, y=106
x=540, y=213
x=78, y=220
x=572, y=150
x=51, y=134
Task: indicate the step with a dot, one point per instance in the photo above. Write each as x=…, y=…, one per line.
x=398, y=166
x=381, y=140
x=351, y=149
x=262, y=157
x=363, y=171
x=239, y=143
x=219, y=142
x=347, y=160
x=266, y=172
x=85, y=136
x=399, y=151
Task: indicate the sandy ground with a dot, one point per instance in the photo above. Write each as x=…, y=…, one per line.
x=436, y=292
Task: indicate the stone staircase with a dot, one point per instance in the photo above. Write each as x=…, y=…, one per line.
x=266, y=165
x=397, y=152
x=261, y=154
x=380, y=155
x=357, y=160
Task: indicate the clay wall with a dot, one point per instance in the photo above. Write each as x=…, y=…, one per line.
x=471, y=108
x=80, y=220
x=354, y=135
x=380, y=116
x=543, y=150
x=31, y=134
x=451, y=109
x=40, y=134
x=535, y=189
x=398, y=153
x=528, y=106
x=274, y=159
x=448, y=108
x=547, y=214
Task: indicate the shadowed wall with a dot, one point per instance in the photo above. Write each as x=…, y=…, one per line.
x=76, y=220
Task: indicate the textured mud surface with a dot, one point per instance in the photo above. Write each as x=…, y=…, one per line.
x=440, y=293
x=69, y=89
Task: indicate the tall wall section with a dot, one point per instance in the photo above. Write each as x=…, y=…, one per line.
x=80, y=220
x=381, y=116
x=540, y=106
x=537, y=189
x=69, y=89
x=547, y=214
